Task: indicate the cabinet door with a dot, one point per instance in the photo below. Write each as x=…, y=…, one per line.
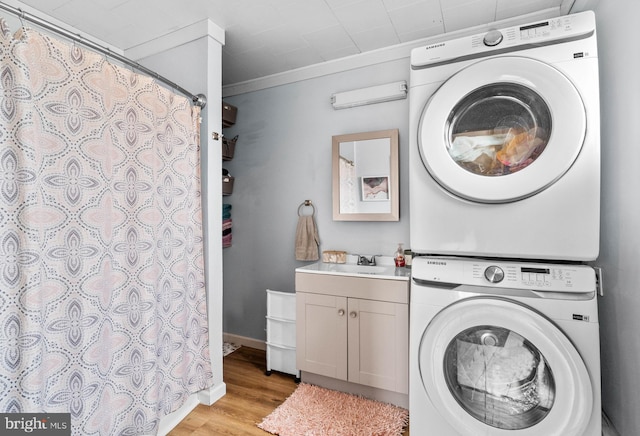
x=321, y=334
x=379, y=344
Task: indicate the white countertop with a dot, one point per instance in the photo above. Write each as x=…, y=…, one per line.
x=382, y=270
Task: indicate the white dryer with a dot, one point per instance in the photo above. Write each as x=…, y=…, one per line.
x=504, y=146
x=502, y=348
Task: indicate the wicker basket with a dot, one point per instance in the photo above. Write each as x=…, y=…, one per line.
x=227, y=185
x=228, y=147
x=229, y=113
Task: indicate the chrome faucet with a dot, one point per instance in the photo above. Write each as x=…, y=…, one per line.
x=362, y=260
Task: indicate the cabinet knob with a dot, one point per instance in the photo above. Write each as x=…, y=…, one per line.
x=341, y=312
x=353, y=314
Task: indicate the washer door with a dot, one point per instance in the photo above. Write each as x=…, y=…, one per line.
x=493, y=366
x=502, y=130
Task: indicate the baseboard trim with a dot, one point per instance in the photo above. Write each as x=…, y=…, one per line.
x=245, y=341
x=170, y=421
x=207, y=397
x=213, y=394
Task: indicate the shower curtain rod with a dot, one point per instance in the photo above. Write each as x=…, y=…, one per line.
x=199, y=99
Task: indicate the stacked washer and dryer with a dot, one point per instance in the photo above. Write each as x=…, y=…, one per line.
x=505, y=206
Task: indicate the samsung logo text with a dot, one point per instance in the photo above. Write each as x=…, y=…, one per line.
x=429, y=47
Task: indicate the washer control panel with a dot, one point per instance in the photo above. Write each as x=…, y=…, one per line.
x=492, y=38
x=505, y=274
x=494, y=274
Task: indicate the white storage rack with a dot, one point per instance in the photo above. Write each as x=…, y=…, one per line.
x=281, y=333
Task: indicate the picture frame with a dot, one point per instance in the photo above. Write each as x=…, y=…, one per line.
x=375, y=188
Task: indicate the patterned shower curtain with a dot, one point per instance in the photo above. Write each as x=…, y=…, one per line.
x=102, y=300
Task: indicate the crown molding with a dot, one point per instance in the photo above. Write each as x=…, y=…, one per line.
x=379, y=56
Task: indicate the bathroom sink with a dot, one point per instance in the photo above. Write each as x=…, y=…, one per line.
x=384, y=271
x=359, y=269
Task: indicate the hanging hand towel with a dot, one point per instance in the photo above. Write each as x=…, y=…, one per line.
x=307, y=240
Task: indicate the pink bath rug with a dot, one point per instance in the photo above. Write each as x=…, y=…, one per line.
x=316, y=411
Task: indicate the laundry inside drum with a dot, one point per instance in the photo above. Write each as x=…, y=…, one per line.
x=499, y=377
x=498, y=129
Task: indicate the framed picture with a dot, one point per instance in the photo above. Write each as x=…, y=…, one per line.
x=375, y=188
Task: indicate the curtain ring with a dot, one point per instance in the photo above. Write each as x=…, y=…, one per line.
x=21, y=17
x=306, y=203
x=106, y=55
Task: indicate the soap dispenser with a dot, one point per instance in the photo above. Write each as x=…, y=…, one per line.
x=399, y=256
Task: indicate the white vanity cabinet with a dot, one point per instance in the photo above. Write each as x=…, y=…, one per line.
x=354, y=328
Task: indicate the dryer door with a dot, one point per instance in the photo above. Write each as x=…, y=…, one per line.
x=502, y=129
x=492, y=366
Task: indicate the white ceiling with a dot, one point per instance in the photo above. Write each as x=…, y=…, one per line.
x=266, y=37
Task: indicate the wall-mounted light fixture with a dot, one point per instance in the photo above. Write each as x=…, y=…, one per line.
x=373, y=94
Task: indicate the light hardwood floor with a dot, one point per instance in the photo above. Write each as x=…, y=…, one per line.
x=251, y=396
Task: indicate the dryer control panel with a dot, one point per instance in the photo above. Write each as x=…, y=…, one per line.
x=550, y=31
x=555, y=28
x=505, y=274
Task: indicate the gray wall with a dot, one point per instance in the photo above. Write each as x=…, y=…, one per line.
x=618, y=37
x=282, y=157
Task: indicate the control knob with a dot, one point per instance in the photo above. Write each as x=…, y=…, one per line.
x=492, y=38
x=494, y=274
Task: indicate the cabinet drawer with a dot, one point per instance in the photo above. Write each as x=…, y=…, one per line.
x=394, y=291
x=281, y=305
x=281, y=359
x=281, y=332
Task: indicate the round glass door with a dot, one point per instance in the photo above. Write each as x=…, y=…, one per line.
x=492, y=363
x=502, y=129
x=498, y=129
x=492, y=368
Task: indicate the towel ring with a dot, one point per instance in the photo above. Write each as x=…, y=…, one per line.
x=306, y=203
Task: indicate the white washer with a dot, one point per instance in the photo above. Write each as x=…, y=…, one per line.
x=504, y=146
x=502, y=348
